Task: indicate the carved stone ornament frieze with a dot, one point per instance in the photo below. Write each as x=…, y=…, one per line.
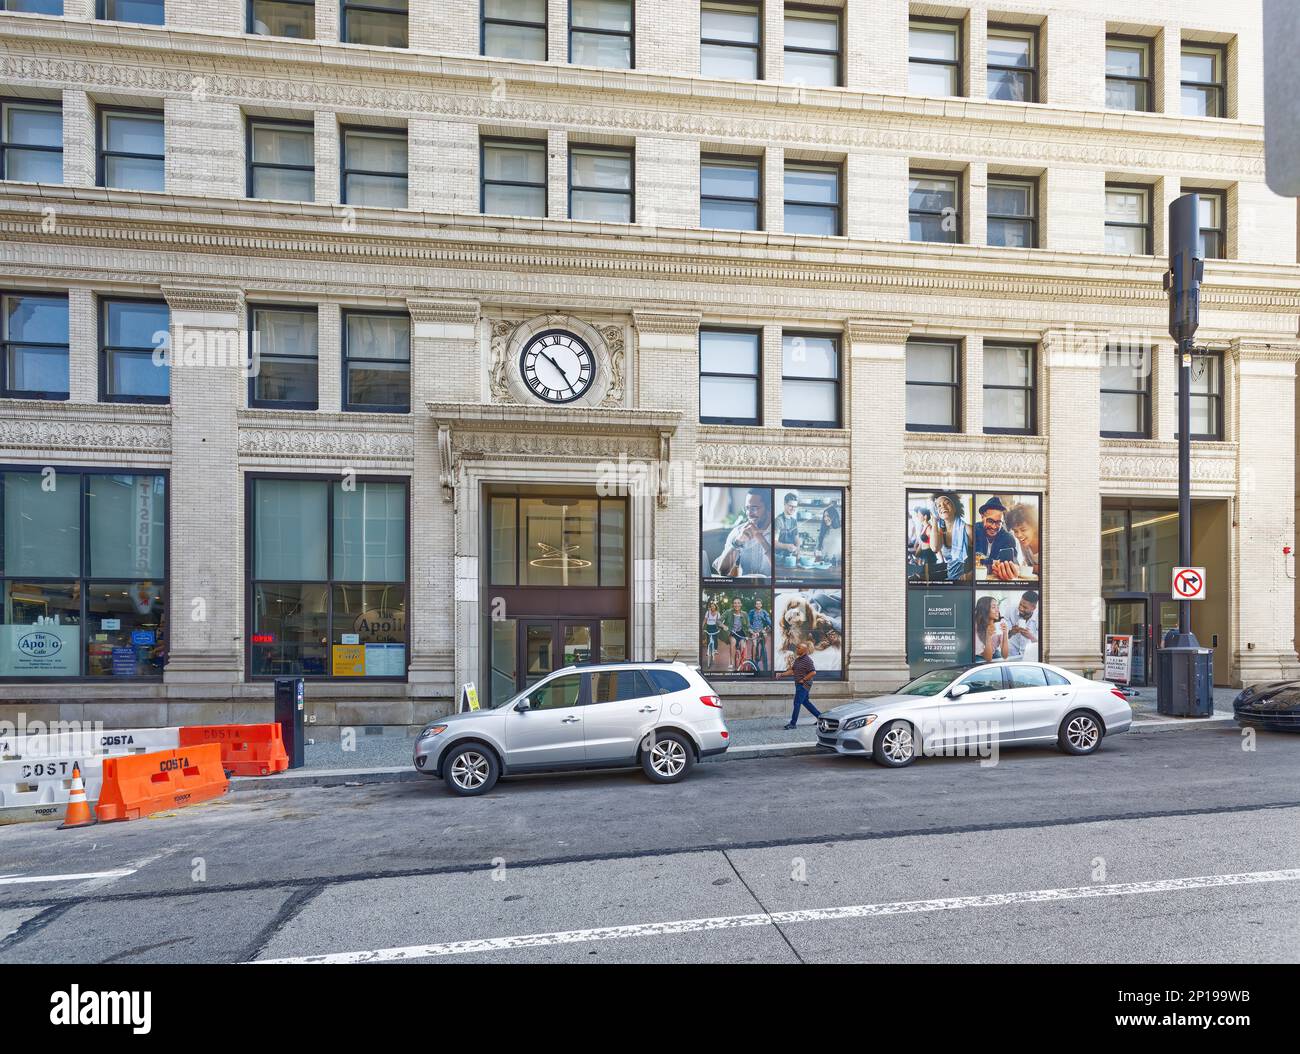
x=33, y=427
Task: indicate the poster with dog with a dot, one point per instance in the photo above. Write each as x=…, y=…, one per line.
x=815, y=616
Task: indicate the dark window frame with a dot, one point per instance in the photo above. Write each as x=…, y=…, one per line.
x=1032, y=219
x=544, y=25
x=836, y=338
x=484, y=143
x=360, y=5
x=1032, y=32
x=1147, y=79
x=1218, y=87
x=347, y=360
x=1029, y=389
x=826, y=14
x=103, y=349
x=6, y=103
x=102, y=8
x=959, y=187
x=250, y=21
x=1221, y=231
x=836, y=167
x=956, y=386
x=759, y=49
x=630, y=35
x=6, y=390
x=345, y=171
x=1145, y=396
x=736, y=160
x=958, y=64
x=288, y=404
x=250, y=166
x=102, y=153
x=1215, y=399
x=329, y=582
x=630, y=193
x=757, y=420
x=1147, y=225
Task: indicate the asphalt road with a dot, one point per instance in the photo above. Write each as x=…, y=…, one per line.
x=1180, y=847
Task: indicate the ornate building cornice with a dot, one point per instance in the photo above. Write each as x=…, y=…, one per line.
x=681, y=323
x=387, y=438
x=446, y=312
x=215, y=299
x=35, y=427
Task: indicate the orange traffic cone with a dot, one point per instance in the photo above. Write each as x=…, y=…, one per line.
x=78, y=814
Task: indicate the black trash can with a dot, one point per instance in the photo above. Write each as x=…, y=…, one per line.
x=289, y=709
x=1185, y=681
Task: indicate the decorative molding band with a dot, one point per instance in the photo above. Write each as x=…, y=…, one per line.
x=750, y=457
x=1258, y=351
x=684, y=323
x=447, y=312
x=371, y=437
x=226, y=300
x=877, y=330
x=937, y=465
x=37, y=427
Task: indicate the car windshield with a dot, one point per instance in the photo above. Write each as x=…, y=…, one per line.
x=931, y=683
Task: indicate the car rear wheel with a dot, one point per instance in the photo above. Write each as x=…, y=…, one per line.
x=667, y=758
x=1080, y=733
x=895, y=745
x=470, y=770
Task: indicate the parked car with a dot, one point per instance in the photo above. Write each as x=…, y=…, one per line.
x=960, y=708
x=1274, y=706
x=663, y=716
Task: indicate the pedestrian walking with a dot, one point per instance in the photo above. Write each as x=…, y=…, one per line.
x=803, y=671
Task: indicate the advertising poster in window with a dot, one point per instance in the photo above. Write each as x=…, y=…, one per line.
x=1119, y=658
x=1006, y=624
x=736, y=534
x=814, y=617
x=938, y=628
x=1007, y=547
x=808, y=543
x=736, y=631
x=940, y=537
x=45, y=650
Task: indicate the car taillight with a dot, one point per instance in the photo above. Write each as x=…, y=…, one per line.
x=711, y=700
x=724, y=735
x=1118, y=694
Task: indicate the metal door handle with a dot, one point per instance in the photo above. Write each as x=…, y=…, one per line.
x=647, y=709
x=568, y=720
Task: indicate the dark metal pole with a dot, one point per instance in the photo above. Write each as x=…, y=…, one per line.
x=1184, y=474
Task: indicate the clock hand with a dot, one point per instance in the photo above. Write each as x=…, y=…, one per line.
x=558, y=367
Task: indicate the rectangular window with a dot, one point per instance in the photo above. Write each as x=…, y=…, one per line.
x=932, y=207
x=31, y=141
x=1207, y=395
x=1128, y=219
x=378, y=23
x=812, y=47
x=1212, y=240
x=84, y=578
x=374, y=168
x=1013, y=212
x=731, y=193
x=283, y=18
x=130, y=332
x=131, y=149
x=600, y=33
x=1009, y=399
x=730, y=372
x=281, y=160
x=376, y=362
x=287, y=358
x=327, y=596
x=142, y=12
x=1126, y=392
x=812, y=198
x=513, y=177
x=1201, y=76
x=600, y=184
x=810, y=380
x=33, y=7
x=731, y=40
x=933, y=386
x=34, y=346
x=1128, y=74
x=514, y=29
x=934, y=58
x=1013, y=64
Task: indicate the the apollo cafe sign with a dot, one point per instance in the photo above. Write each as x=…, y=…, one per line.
x=381, y=625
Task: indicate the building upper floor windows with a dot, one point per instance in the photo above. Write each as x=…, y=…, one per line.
x=1126, y=391
x=933, y=213
x=810, y=380
x=378, y=23
x=132, y=333
x=31, y=141
x=812, y=198
x=282, y=18
x=933, y=381
x=1206, y=395
x=143, y=12
x=1013, y=212
x=1010, y=400
x=1013, y=63
x=601, y=33
x=514, y=29
x=374, y=167
x=286, y=349
x=1128, y=73
x=731, y=40
x=812, y=47
x=1201, y=77
x=731, y=192
x=730, y=376
x=934, y=58
x=377, y=361
x=513, y=177
x=1212, y=235
x=601, y=184
x=281, y=160
x=33, y=7
x=1128, y=219
x=33, y=346
x=132, y=153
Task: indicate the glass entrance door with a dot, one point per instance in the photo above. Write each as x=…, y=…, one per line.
x=548, y=644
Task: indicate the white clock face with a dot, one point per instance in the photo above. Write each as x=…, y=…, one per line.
x=557, y=366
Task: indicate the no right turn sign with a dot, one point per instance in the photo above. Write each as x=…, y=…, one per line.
x=1189, y=583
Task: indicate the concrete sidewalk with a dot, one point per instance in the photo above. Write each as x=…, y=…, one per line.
x=386, y=757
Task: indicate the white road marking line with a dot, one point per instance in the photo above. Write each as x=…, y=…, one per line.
x=785, y=918
x=25, y=879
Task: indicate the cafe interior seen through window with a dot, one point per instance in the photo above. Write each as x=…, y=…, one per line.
x=328, y=569
x=84, y=574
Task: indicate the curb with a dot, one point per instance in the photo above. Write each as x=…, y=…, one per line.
x=1182, y=724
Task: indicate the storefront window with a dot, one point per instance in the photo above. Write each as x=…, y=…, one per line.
x=1114, y=551
x=1153, y=550
x=557, y=542
x=503, y=659
x=613, y=640
x=83, y=610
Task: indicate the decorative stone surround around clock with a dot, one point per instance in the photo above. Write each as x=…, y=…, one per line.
x=508, y=337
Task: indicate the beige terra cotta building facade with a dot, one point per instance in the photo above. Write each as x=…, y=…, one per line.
x=475, y=287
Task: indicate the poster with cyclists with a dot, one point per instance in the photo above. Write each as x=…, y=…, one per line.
x=736, y=631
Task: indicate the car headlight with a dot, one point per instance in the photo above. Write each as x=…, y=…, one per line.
x=858, y=722
x=431, y=730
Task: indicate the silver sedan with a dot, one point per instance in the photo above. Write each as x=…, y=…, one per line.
x=977, y=709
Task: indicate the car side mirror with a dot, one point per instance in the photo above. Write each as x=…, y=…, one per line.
x=522, y=706
x=958, y=690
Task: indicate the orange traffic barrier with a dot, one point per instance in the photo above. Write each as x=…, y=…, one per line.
x=78, y=814
x=140, y=784
x=246, y=750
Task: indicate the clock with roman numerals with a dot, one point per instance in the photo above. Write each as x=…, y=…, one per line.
x=557, y=366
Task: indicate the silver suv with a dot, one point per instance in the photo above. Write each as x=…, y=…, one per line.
x=663, y=716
